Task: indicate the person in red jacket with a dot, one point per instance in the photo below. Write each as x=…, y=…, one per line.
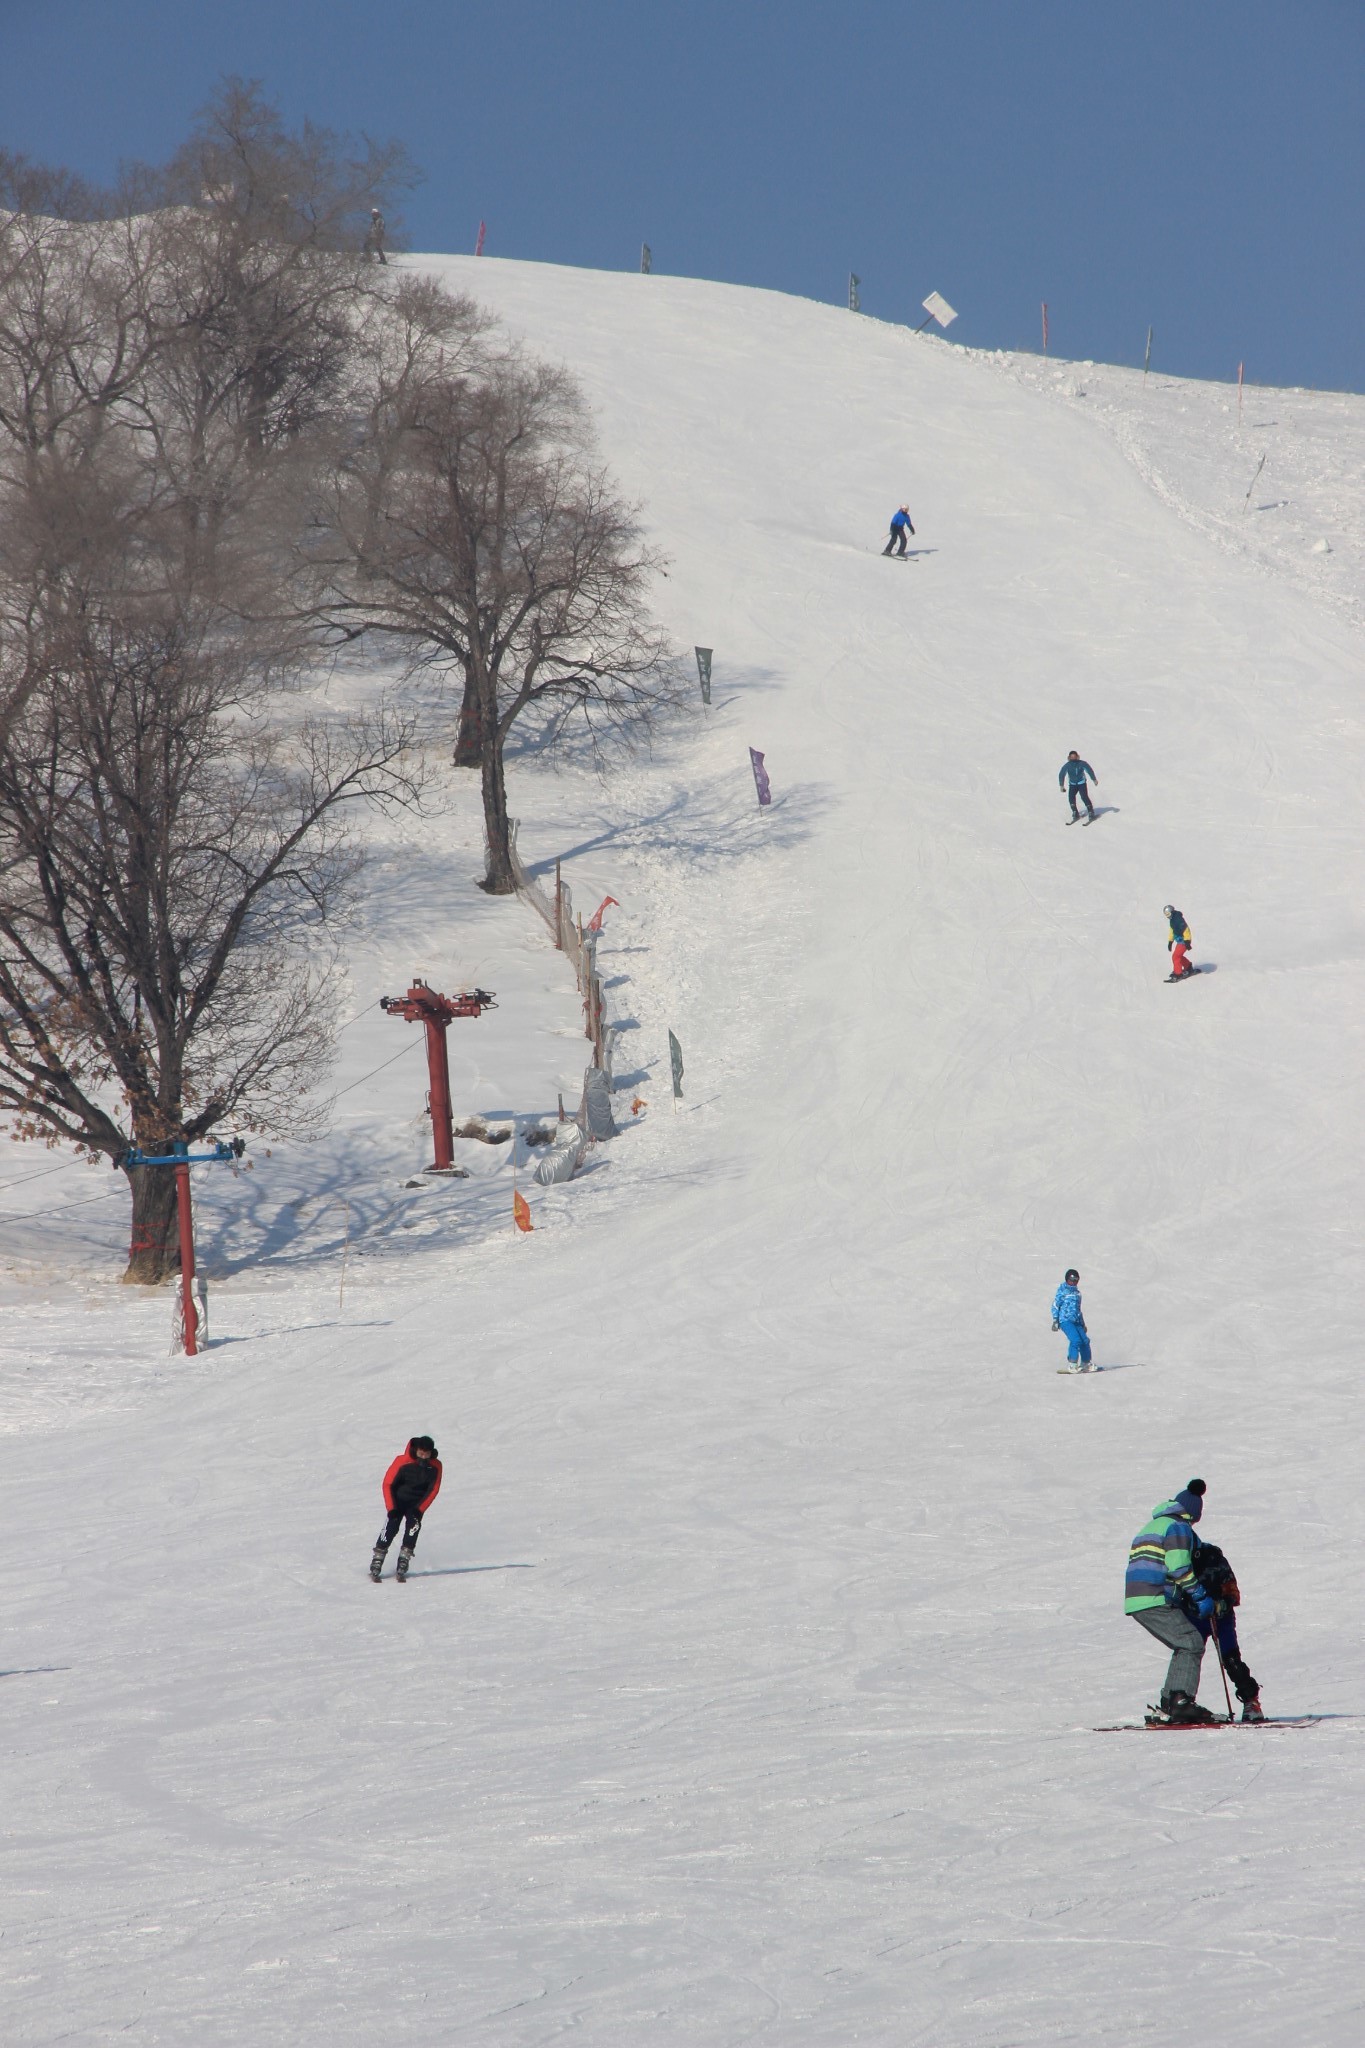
x=411, y=1484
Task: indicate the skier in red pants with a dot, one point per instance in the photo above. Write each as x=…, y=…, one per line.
x=411, y=1484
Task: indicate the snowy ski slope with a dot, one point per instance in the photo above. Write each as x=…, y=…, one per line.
x=745, y=1684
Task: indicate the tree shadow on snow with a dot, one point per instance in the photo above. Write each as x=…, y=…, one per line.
x=711, y=827
x=574, y=747
x=268, y=1222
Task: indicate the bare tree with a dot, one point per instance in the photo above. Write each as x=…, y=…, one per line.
x=172, y=854
x=47, y=191
x=474, y=525
x=173, y=850
x=305, y=189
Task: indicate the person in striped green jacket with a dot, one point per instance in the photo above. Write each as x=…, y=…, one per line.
x=1163, y=1596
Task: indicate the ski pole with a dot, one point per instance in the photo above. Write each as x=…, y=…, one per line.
x=1222, y=1666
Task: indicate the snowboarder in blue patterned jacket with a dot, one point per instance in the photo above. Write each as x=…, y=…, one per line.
x=1071, y=777
x=1067, y=1317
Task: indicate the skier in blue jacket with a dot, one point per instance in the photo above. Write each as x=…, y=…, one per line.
x=1071, y=777
x=1067, y=1317
x=900, y=526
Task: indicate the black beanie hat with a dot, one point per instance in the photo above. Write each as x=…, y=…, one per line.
x=424, y=1443
x=1192, y=1499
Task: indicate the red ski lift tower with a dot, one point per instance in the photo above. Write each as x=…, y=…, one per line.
x=422, y=1005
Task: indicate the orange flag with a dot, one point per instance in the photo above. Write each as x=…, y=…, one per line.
x=521, y=1212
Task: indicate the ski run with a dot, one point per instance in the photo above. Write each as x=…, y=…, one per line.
x=746, y=1682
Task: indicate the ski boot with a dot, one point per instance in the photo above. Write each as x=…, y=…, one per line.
x=377, y=1562
x=1251, y=1709
x=1179, y=1711
x=404, y=1560
x=1183, y=1712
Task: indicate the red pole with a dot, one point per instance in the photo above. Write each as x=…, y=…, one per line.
x=182, y=1202
x=438, y=1071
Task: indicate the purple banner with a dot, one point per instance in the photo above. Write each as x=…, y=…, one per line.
x=761, y=783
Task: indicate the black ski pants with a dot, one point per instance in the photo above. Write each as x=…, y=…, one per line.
x=1234, y=1663
x=390, y=1528
x=1078, y=789
x=896, y=544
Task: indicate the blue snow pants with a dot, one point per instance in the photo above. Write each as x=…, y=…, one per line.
x=1077, y=1343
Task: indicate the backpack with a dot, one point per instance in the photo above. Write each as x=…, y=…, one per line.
x=1214, y=1573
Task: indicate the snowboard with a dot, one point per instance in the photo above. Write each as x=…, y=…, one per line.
x=1188, y=976
x=1090, y=1371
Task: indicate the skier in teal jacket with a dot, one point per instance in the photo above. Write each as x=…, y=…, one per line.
x=1071, y=777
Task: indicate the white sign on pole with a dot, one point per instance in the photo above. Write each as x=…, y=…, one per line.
x=937, y=307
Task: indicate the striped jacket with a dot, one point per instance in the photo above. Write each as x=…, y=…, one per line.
x=1160, y=1562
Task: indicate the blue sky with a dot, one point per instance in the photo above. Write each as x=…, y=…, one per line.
x=1194, y=164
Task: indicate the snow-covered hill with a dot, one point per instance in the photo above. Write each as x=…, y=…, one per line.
x=745, y=1683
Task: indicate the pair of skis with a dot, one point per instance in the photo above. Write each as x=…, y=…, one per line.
x=1157, y=1727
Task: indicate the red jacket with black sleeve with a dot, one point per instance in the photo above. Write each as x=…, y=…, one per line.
x=412, y=1483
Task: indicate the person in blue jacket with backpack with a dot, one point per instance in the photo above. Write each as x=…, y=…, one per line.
x=900, y=526
x=1071, y=777
x=1067, y=1317
x=1215, y=1614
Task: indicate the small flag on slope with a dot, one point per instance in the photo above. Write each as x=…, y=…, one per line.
x=595, y=921
x=521, y=1212
x=761, y=783
x=675, y=1061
